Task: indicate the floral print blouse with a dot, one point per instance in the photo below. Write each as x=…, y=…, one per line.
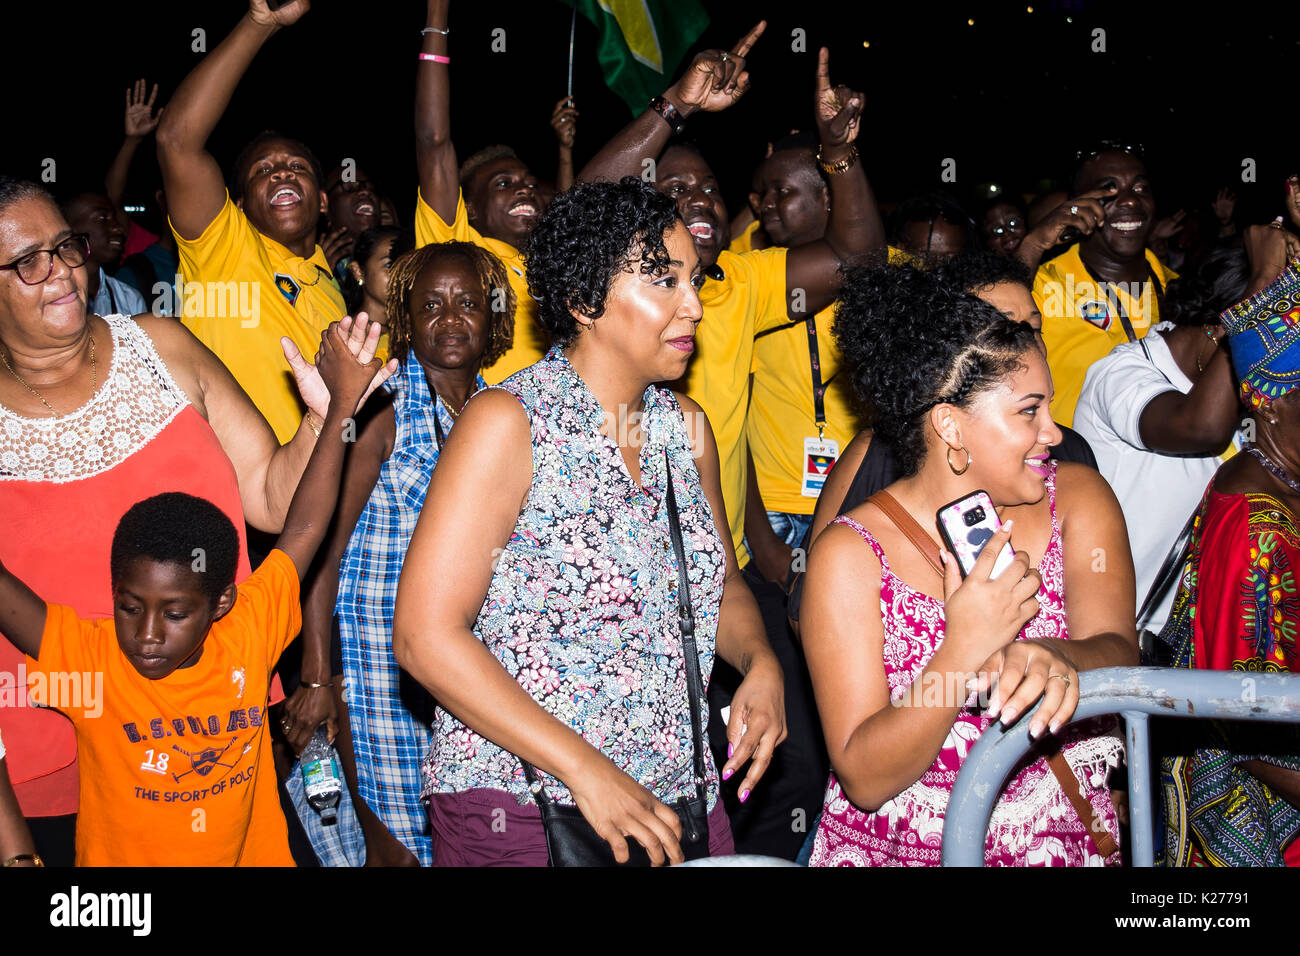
x=582, y=607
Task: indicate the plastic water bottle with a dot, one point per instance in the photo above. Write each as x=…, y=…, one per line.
x=321, y=778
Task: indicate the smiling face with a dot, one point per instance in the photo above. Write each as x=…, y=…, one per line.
x=501, y=200
x=450, y=315
x=94, y=215
x=352, y=205
x=685, y=177
x=1008, y=430
x=281, y=195
x=1130, y=212
x=50, y=312
x=649, y=320
x=790, y=198
x=162, y=615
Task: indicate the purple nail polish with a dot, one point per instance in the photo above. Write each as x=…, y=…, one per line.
x=744, y=795
x=727, y=775
x=730, y=750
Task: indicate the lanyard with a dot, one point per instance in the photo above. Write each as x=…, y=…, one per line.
x=818, y=387
x=1113, y=298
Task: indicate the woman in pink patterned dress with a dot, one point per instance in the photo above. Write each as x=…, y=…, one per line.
x=962, y=395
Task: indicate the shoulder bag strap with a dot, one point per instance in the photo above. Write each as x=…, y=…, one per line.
x=905, y=523
x=686, y=618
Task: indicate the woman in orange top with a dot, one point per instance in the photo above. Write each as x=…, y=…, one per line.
x=97, y=413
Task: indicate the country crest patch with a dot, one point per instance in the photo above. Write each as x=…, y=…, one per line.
x=1097, y=313
x=288, y=287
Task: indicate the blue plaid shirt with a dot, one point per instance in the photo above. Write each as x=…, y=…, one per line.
x=389, y=741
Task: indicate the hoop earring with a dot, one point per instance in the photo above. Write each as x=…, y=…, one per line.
x=964, y=467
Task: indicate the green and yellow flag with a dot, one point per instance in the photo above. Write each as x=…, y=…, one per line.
x=642, y=43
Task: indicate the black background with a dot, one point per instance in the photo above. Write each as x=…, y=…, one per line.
x=1009, y=98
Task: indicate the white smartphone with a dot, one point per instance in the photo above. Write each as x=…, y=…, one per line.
x=966, y=526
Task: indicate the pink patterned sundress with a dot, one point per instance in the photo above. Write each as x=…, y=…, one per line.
x=1033, y=823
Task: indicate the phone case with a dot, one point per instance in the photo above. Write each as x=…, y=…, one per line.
x=965, y=531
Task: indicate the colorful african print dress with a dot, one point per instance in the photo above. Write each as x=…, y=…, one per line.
x=1238, y=608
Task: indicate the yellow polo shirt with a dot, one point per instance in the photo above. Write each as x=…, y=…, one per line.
x=745, y=241
x=749, y=300
x=1080, y=324
x=531, y=340
x=782, y=412
x=242, y=292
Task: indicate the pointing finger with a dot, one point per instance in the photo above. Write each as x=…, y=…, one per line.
x=747, y=42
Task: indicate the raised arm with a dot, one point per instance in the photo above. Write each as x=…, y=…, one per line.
x=715, y=80
x=1198, y=423
x=139, y=122
x=564, y=120
x=854, y=229
x=461, y=528
x=192, y=178
x=318, y=492
x=435, y=156
x=309, y=707
x=22, y=614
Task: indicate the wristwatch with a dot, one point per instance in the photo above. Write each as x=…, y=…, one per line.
x=670, y=115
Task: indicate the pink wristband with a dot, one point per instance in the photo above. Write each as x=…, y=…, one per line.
x=435, y=58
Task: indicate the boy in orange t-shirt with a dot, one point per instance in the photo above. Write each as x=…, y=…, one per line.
x=169, y=697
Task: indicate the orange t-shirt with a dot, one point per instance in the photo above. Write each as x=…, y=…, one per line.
x=168, y=766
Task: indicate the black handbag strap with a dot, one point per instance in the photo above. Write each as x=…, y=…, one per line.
x=1168, y=575
x=694, y=682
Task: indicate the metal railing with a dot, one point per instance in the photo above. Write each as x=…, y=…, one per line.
x=1134, y=693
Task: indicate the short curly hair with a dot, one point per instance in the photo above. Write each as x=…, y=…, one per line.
x=982, y=269
x=180, y=529
x=496, y=291
x=913, y=341
x=588, y=236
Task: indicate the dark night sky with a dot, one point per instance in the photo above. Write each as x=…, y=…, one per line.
x=1008, y=98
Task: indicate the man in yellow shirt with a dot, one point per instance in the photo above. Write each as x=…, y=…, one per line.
x=798, y=395
x=1105, y=289
x=490, y=201
x=252, y=269
x=745, y=295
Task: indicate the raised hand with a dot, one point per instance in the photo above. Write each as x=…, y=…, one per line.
x=716, y=78
x=288, y=14
x=838, y=109
x=140, y=119
x=1224, y=205
x=348, y=378
x=1082, y=213
x=362, y=340
x=1170, y=226
x=564, y=120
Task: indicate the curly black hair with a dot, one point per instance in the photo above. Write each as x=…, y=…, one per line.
x=981, y=269
x=176, y=528
x=589, y=234
x=1216, y=284
x=913, y=340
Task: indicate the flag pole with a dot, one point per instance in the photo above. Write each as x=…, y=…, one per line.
x=573, y=27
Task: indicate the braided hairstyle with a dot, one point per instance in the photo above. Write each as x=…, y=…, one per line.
x=496, y=289
x=914, y=341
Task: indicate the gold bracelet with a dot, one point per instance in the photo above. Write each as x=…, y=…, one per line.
x=309, y=419
x=843, y=166
x=34, y=857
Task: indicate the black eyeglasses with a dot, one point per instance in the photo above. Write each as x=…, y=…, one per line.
x=35, y=267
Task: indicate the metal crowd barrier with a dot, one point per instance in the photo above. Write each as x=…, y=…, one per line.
x=1135, y=693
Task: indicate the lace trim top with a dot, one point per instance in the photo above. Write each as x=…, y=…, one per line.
x=137, y=400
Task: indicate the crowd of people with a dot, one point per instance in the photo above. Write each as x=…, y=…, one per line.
x=604, y=517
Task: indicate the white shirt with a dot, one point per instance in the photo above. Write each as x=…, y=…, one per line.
x=116, y=298
x=1156, y=492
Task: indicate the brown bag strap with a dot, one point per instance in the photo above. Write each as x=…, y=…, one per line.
x=905, y=523
x=1087, y=813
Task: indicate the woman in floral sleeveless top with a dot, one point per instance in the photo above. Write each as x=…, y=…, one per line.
x=543, y=616
x=911, y=666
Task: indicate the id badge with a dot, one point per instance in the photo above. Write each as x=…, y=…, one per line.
x=819, y=457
